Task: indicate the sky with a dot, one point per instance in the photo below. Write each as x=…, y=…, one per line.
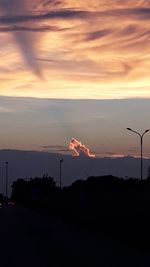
x=75, y=69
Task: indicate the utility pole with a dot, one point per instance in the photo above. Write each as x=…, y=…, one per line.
x=60, y=172
x=6, y=178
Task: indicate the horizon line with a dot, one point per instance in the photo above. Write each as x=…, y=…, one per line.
x=117, y=156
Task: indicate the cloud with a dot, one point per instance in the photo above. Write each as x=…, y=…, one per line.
x=97, y=34
x=114, y=155
x=7, y=110
x=59, y=14
x=67, y=13
x=79, y=149
x=56, y=149
x=16, y=28
x=84, y=49
x=26, y=42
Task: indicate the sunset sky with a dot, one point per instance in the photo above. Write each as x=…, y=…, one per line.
x=75, y=69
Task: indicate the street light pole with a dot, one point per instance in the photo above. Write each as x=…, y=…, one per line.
x=60, y=169
x=141, y=137
x=6, y=178
x=141, y=145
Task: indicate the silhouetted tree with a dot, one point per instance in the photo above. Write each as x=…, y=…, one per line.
x=148, y=173
x=33, y=191
x=108, y=204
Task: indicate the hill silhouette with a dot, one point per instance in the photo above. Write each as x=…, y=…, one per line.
x=34, y=164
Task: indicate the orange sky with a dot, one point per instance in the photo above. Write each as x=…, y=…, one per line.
x=75, y=49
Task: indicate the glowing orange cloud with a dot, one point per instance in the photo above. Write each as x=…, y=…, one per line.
x=80, y=149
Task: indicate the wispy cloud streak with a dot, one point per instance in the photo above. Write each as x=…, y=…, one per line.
x=85, y=49
x=26, y=42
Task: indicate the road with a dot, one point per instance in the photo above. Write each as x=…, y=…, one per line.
x=31, y=239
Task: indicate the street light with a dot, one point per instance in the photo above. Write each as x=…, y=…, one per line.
x=6, y=178
x=141, y=142
x=60, y=167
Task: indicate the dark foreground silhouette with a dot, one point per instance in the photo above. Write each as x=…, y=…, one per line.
x=29, y=238
x=106, y=206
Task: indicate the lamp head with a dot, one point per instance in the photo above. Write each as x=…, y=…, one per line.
x=147, y=131
x=129, y=129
